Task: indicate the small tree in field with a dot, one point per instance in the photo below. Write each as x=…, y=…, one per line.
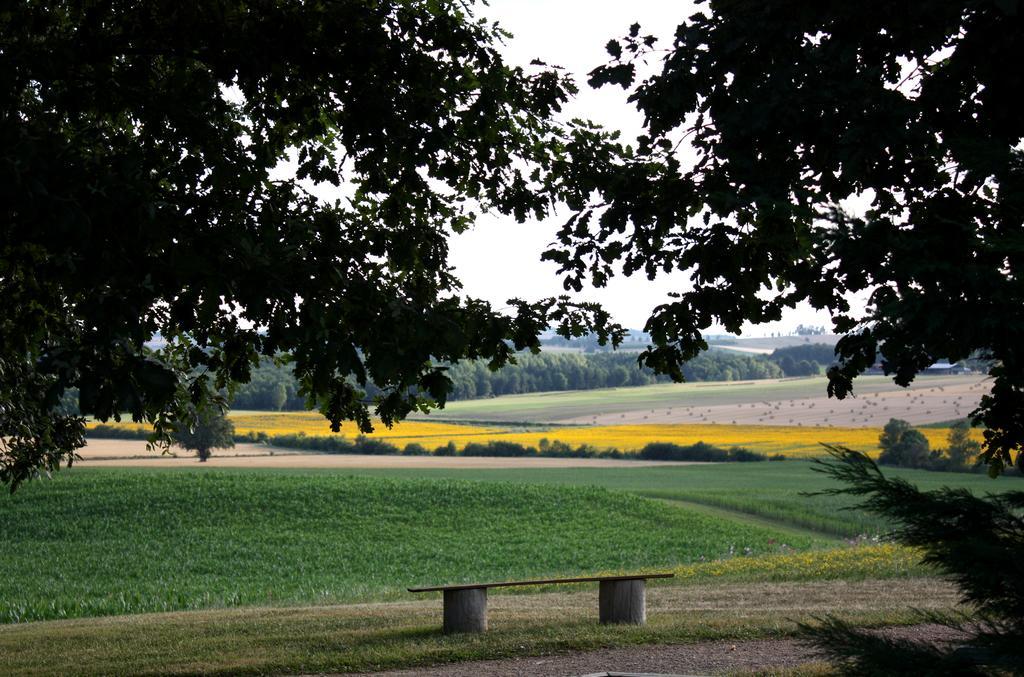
x=209, y=429
x=962, y=449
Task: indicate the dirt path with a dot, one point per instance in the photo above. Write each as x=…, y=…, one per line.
x=101, y=449
x=530, y=632
x=700, y=658
x=132, y=453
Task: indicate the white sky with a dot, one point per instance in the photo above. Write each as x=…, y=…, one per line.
x=499, y=259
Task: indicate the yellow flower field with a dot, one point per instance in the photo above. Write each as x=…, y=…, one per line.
x=866, y=561
x=314, y=424
x=794, y=442
x=789, y=440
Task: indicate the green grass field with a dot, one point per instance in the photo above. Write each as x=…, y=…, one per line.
x=100, y=542
x=554, y=406
x=772, y=491
x=368, y=637
x=751, y=556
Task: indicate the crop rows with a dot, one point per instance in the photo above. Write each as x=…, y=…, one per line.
x=781, y=492
x=99, y=542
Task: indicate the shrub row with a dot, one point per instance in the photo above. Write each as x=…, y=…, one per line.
x=701, y=451
x=113, y=432
x=500, y=448
x=655, y=451
x=333, y=444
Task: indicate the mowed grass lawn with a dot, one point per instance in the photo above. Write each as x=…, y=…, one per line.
x=364, y=637
x=101, y=542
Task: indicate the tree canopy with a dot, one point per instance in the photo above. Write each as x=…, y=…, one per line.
x=792, y=109
x=157, y=164
x=142, y=191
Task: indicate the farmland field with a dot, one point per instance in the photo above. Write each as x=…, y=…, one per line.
x=113, y=453
x=792, y=441
x=795, y=402
x=800, y=401
x=313, y=423
x=101, y=542
x=293, y=541
x=774, y=491
x=766, y=345
x=289, y=545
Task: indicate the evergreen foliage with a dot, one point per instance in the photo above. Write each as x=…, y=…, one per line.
x=978, y=542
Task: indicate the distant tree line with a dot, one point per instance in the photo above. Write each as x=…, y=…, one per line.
x=809, y=330
x=274, y=388
x=803, y=360
x=575, y=371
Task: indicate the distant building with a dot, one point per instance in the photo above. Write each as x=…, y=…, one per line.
x=944, y=367
x=940, y=367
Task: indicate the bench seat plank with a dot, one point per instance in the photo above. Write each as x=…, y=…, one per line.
x=550, y=581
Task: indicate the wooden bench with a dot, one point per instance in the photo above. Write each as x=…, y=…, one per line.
x=621, y=599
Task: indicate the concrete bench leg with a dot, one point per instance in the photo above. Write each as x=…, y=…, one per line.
x=465, y=610
x=623, y=602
